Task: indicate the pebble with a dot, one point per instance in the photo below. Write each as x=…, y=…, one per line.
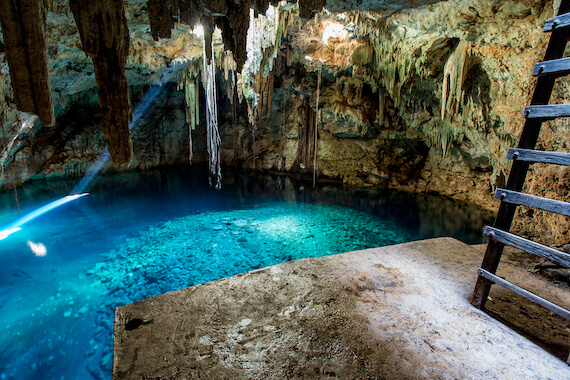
x=240, y=222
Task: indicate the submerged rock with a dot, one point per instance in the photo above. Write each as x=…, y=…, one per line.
x=240, y=223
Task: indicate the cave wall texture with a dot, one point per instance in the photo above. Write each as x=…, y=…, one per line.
x=419, y=95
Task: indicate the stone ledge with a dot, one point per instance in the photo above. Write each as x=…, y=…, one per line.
x=385, y=313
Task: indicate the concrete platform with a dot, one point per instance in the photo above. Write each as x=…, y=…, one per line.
x=398, y=312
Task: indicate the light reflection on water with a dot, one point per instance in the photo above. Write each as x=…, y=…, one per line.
x=62, y=275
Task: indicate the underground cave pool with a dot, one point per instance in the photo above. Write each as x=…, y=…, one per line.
x=140, y=234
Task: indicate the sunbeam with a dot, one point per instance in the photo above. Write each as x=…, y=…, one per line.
x=17, y=225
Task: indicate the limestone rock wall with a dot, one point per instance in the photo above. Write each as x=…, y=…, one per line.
x=454, y=77
x=427, y=98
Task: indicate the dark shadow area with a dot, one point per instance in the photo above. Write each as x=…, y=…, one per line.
x=538, y=324
x=185, y=190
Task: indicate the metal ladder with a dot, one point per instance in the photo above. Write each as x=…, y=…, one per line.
x=553, y=66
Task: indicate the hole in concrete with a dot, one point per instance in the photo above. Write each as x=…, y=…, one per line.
x=133, y=324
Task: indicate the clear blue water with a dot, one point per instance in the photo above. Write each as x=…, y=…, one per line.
x=140, y=234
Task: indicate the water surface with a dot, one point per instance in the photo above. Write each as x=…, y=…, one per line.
x=139, y=234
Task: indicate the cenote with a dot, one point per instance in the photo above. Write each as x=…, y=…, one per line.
x=140, y=234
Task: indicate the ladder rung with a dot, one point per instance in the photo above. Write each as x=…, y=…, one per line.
x=525, y=293
x=531, y=155
x=557, y=67
x=527, y=245
x=549, y=111
x=546, y=204
x=558, y=22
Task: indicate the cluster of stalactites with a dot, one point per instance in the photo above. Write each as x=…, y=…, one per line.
x=192, y=104
x=264, y=37
x=231, y=17
x=254, y=83
x=187, y=73
x=454, y=77
x=188, y=83
x=261, y=21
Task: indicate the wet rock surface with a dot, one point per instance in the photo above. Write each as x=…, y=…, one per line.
x=388, y=313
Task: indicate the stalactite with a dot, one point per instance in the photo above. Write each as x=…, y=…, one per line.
x=160, y=14
x=229, y=66
x=212, y=133
x=105, y=38
x=264, y=87
x=191, y=102
x=238, y=24
x=264, y=38
x=23, y=26
x=253, y=62
x=454, y=76
x=190, y=148
x=251, y=113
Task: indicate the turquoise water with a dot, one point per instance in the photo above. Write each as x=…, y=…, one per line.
x=140, y=234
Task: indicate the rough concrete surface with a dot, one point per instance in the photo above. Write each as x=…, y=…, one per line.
x=398, y=312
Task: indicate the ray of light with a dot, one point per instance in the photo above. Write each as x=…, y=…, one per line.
x=17, y=225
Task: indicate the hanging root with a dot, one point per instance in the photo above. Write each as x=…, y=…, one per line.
x=212, y=132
